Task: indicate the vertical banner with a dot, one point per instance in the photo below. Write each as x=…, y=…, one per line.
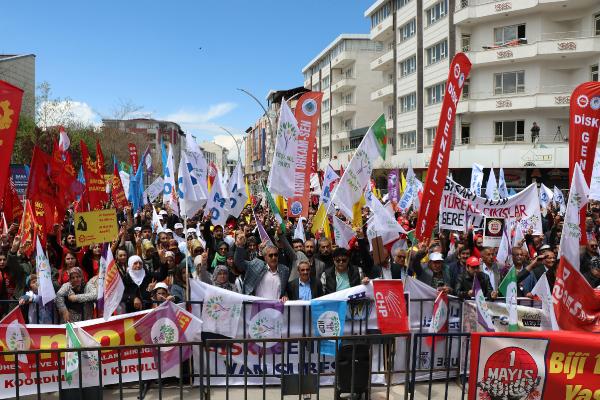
x=133, y=156
x=308, y=110
x=94, y=180
x=10, y=108
x=393, y=186
x=583, y=128
x=392, y=313
x=440, y=156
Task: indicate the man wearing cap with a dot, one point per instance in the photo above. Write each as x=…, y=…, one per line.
x=435, y=273
x=191, y=234
x=178, y=229
x=343, y=275
x=593, y=275
x=464, y=283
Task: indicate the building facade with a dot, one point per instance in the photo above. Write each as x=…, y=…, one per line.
x=216, y=154
x=342, y=71
x=19, y=70
x=527, y=58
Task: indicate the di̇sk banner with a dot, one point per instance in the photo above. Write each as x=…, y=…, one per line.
x=459, y=205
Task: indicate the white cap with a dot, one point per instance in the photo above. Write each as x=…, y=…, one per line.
x=160, y=217
x=191, y=230
x=168, y=230
x=179, y=225
x=161, y=285
x=137, y=228
x=436, y=256
x=162, y=212
x=537, y=233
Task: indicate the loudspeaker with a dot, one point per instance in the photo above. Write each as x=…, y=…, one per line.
x=358, y=367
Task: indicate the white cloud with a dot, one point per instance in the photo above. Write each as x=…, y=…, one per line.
x=67, y=112
x=202, y=121
x=228, y=142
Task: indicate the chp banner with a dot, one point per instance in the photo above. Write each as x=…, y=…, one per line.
x=308, y=110
x=96, y=227
x=10, y=109
x=440, y=156
x=392, y=313
x=459, y=205
x=534, y=366
x=133, y=156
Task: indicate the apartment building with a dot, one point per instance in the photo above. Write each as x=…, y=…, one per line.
x=216, y=154
x=19, y=70
x=527, y=55
x=342, y=71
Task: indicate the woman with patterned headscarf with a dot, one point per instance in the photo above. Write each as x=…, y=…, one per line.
x=220, y=278
x=75, y=300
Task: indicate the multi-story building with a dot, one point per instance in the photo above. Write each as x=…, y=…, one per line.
x=19, y=70
x=216, y=154
x=342, y=71
x=527, y=57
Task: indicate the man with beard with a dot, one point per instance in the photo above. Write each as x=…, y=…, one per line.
x=460, y=265
x=325, y=252
x=343, y=275
x=593, y=275
x=464, y=283
x=591, y=251
x=525, y=287
x=317, y=267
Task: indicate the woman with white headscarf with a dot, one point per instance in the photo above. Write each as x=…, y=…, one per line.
x=136, y=295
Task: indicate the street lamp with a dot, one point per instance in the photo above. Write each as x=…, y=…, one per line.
x=236, y=143
x=272, y=144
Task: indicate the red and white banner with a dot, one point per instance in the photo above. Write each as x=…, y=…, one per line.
x=534, y=366
x=392, y=313
x=308, y=110
x=133, y=156
x=10, y=108
x=94, y=180
x=440, y=156
x=583, y=128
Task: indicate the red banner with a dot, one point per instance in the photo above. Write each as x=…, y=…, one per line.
x=576, y=303
x=118, y=193
x=28, y=231
x=133, y=156
x=212, y=173
x=307, y=113
x=94, y=180
x=41, y=192
x=440, y=156
x=534, y=366
x=11, y=205
x=583, y=128
x=100, y=158
x=10, y=108
x=392, y=314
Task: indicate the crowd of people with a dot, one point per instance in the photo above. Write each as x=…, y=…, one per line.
x=157, y=261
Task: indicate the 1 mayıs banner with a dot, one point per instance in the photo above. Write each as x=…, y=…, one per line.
x=308, y=110
x=534, y=366
x=460, y=207
x=440, y=155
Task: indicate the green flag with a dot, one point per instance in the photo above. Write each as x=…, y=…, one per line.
x=508, y=288
x=71, y=358
x=274, y=208
x=377, y=134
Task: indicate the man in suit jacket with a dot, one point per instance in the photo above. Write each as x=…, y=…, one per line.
x=490, y=267
x=304, y=288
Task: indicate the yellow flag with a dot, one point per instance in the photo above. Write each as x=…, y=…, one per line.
x=248, y=195
x=320, y=221
x=281, y=204
x=403, y=183
x=357, y=221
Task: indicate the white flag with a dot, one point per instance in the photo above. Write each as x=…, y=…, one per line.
x=63, y=141
x=156, y=224
x=299, y=231
x=125, y=182
x=504, y=255
x=112, y=284
x=169, y=190
x=190, y=205
x=198, y=168
x=542, y=290
x=342, y=232
x=382, y=223
x=546, y=196
x=476, y=178
x=595, y=183
x=571, y=233
x=236, y=187
x=411, y=191
x=330, y=180
x=491, y=189
x=216, y=206
x=283, y=170
x=502, y=188
x=315, y=185
x=44, y=273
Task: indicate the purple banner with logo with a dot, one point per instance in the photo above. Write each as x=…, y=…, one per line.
x=393, y=186
x=266, y=322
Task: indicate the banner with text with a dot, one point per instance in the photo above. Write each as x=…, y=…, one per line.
x=96, y=227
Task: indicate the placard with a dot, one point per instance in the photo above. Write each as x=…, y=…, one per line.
x=96, y=227
x=492, y=231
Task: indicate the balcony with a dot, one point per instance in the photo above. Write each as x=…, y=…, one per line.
x=552, y=46
x=548, y=97
x=342, y=60
x=384, y=62
x=344, y=110
x=383, y=31
x=342, y=84
x=384, y=94
x=340, y=135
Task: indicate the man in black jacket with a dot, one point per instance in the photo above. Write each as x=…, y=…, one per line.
x=545, y=262
x=464, y=283
x=343, y=275
x=304, y=288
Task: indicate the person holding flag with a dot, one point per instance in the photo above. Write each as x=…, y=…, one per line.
x=464, y=284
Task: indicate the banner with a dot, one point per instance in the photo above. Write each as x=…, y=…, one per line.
x=476, y=178
x=266, y=322
x=459, y=204
x=19, y=173
x=492, y=231
x=307, y=113
x=41, y=193
x=329, y=181
x=133, y=156
x=583, y=128
x=440, y=155
x=328, y=318
x=595, y=182
x=393, y=181
x=392, y=313
x=10, y=109
x=552, y=365
x=118, y=193
x=12, y=207
x=94, y=180
x=95, y=227
x=283, y=169
x=155, y=189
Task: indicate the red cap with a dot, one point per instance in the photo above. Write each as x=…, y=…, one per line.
x=472, y=262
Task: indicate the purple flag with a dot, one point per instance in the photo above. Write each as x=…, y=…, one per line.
x=266, y=322
x=393, y=186
x=169, y=324
x=264, y=237
x=483, y=316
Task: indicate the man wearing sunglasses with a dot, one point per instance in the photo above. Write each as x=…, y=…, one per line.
x=342, y=275
x=268, y=278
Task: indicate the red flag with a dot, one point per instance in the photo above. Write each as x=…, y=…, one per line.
x=118, y=193
x=14, y=336
x=212, y=173
x=94, y=180
x=99, y=158
x=64, y=177
x=439, y=319
x=41, y=192
x=392, y=315
x=10, y=108
x=307, y=113
x=12, y=205
x=133, y=156
x=440, y=156
x=28, y=231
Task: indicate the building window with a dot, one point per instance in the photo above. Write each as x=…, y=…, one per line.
x=430, y=136
x=325, y=83
x=509, y=131
x=325, y=152
x=408, y=66
x=326, y=128
x=408, y=102
x=437, y=12
x=435, y=93
x=391, y=110
x=408, y=140
x=437, y=52
x=509, y=82
x=317, y=87
x=355, y=142
x=326, y=105
x=465, y=41
x=348, y=98
x=380, y=15
x=408, y=30
x=597, y=24
x=594, y=75
x=348, y=124
x=506, y=34
x=465, y=92
x=349, y=72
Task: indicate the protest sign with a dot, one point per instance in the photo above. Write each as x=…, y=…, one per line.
x=155, y=189
x=492, y=231
x=96, y=227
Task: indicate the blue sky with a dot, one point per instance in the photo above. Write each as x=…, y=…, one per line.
x=102, y=53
